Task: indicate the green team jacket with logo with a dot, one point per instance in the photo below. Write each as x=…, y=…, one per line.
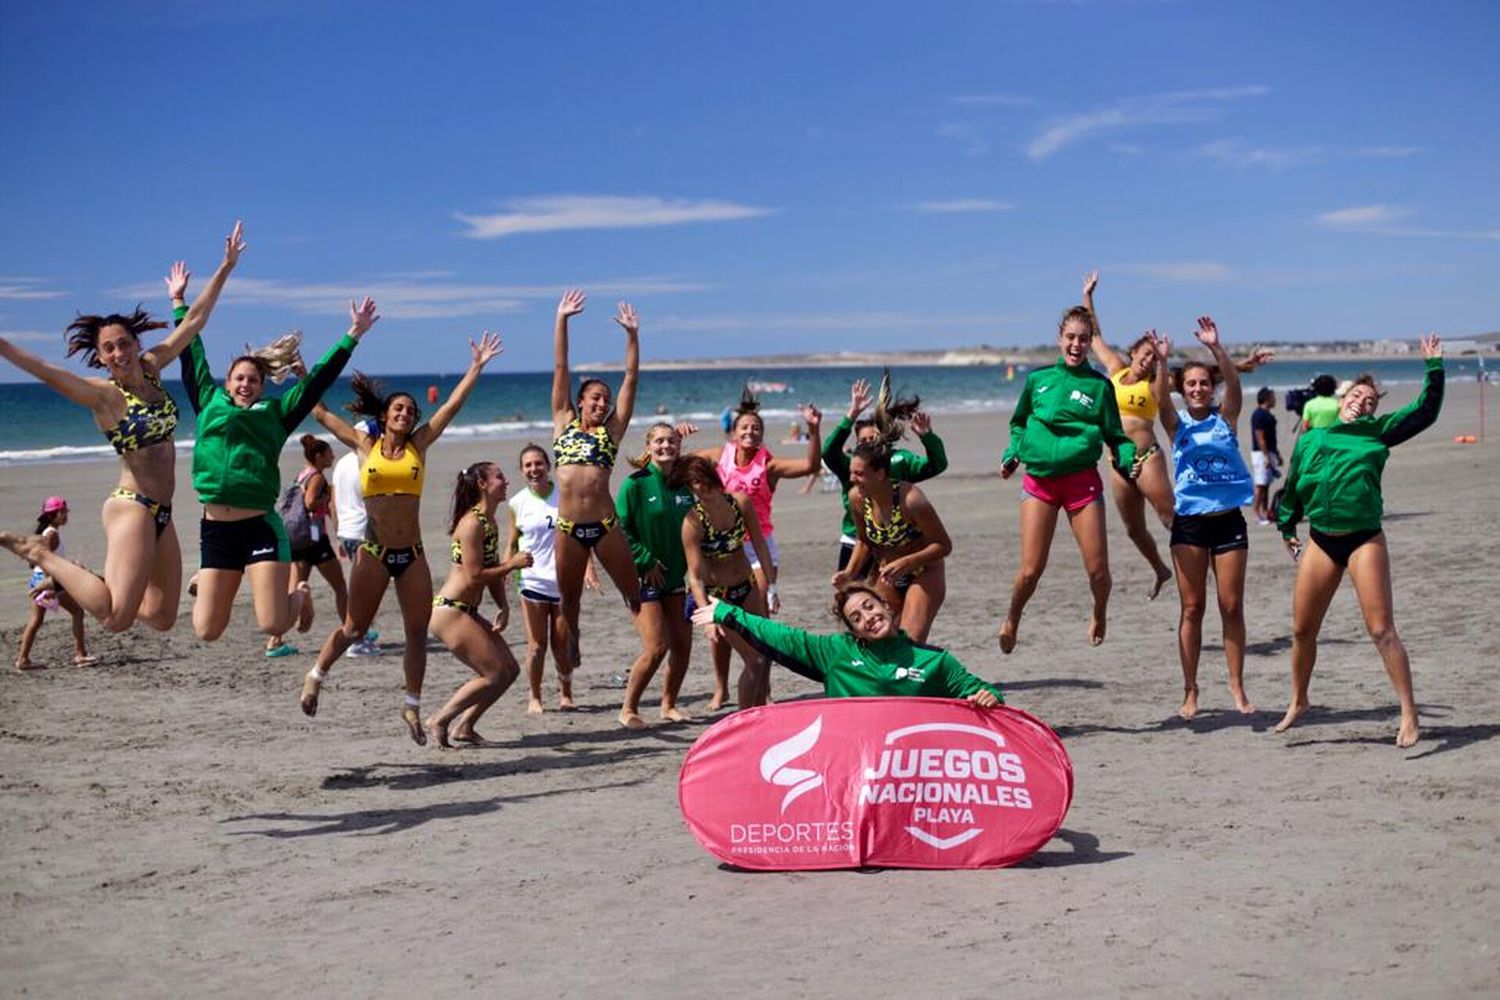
x=236, y=451
x=1334, y=480
x=906, y=466
x=857, y=668
x=1064, y=417
x=651, y=513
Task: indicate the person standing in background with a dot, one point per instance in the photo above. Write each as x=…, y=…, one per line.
x=349, y=519
x=1265, y=456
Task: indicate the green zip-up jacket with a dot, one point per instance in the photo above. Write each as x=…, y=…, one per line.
x=236, y=451
x=652, y=514
x=906, y=466
x=856, y=668
x=1064, y=417
x=1334, y=477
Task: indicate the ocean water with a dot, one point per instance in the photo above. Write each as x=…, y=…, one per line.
x=40, y=426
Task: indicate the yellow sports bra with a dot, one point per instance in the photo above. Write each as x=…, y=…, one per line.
x=383, y=476
x=1135, y=398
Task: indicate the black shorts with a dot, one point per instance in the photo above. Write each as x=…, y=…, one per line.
x=316, y=554
x=735, y=594
x=233, y=545
x=1218, y=533
x=1340, y=547
x=650, y=593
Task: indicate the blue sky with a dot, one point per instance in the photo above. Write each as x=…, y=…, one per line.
x=756, y=178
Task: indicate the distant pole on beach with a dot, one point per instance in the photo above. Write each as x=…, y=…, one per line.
x=1484, y=381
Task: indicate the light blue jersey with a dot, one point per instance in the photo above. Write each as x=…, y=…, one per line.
x=1211, y=477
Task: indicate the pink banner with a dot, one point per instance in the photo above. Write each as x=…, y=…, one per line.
x=888, y=782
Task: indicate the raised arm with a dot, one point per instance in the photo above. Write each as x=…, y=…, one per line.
x=625, y=401
x=833, y=448
x=1208, y=335
x=340, y=428
x=562, y=390
x=1108, y=355
x=1420, y=414
x=197, y=318
x=83, y=391
x=810, y=463
x=1258, y=356
x=308, y=392
x=935, y=462
x=481, y=354
x=1161, y=384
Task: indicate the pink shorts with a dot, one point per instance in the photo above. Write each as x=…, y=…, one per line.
x=1071, y=492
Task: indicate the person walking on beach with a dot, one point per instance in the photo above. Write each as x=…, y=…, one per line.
x=142, y=576
x=393, y=461
x=304, y=508
x=347, y=507
x=906, y=466
x=1334, y=482
x=586, y=438
x=45, y=595
x=873, y=659
x=1210, y=484
x=456, y=621
x=1265, y=454
x=1065, y=416
x=715, y=538
x=237, y=476
x=533, y=529
x=651, y=513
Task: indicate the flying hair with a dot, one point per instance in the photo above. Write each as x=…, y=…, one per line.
x=370, y=401
x=891, y=412
x=278, y=358
x=83, y=332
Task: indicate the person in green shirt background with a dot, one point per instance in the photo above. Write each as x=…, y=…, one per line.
x=1322, y=410
x=906, y=466
x=872, y=659
x=651, y=513
x=1334, y=481
x=1065, y=416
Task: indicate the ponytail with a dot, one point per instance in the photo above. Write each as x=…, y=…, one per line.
x=467, y=491
x=312, y=447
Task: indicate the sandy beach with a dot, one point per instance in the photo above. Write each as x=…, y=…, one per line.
x=172, y=820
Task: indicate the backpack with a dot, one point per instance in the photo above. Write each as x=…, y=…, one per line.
x=293, y=510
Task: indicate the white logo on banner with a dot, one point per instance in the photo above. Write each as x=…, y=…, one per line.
x=773, y=764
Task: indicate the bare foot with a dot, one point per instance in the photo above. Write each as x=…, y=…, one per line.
x=85, y=660
x=632, y=720
x=1294, y=712
x=717, y=701
x=675, y=714
x=1162, y=576
x=1408, y=734
x=26, y=665
x=1241, y=701
x=304, y=610
x=1189, y=703
x=437, y=730
x=414, y=725
x=28, y=547
x=1007, y=635
x=534, y=706
x=310, y=691
x=565, y=696
x=1096, y=628
x=470, y=736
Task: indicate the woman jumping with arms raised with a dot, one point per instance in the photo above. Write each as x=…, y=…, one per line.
x=587, y=434
x=393, y=465
x=142, y=576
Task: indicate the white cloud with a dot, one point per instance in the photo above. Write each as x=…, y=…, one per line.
x=821, y=322
x=992, y=100
x=1389, y=152
x=1154, y=109
x=558, y=212
x=1381, y=220
x=1240, y=155
x=1186, y=271
x=1363, y=216
x=31, y=336
x=961, y=205
x=26, y=289
x=413, y=298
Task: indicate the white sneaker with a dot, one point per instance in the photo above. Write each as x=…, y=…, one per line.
x=364, y=648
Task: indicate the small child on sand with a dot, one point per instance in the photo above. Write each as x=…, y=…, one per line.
x=46, y=595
